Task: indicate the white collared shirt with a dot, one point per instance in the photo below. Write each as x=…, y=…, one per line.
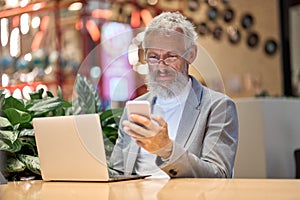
x=171, y=110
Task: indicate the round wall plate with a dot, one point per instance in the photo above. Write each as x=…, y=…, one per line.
x=270, y=47
x=247, y=21
x=253, y=40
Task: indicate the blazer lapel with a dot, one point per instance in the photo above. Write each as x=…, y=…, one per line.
x=190, y=114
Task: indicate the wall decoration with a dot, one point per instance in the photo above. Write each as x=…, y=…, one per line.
x=218, y=32
x=270, y=47
x=193, y=5
x=228, y=15
x=226, y=1
x=234, y=35
x=224, y=18
x=247, y=21
x=202, y=29
x=212, y=13
x=252, y=40
x=211, y=2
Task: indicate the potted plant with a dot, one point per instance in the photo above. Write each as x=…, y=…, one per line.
x=16, y=131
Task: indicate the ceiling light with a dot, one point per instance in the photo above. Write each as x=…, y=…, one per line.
x=12, y=3
x=75, y=6
x=24, y=3
x=4, y=31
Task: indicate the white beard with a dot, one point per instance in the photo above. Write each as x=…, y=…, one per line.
x=174, y=88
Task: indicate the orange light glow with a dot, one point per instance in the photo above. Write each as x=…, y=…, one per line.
x=15, y=21
x=26, y=9
x=146, y=16
x=100, y=13
x=135, y=20
x=37, y=40
x=93, y=30
x=44, y=23
x=78, y=25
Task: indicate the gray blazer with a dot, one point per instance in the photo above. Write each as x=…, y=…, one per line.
x=206, y=141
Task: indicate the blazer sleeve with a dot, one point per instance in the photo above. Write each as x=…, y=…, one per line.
x=124, y=154
x=116, y=160
x=216, y=153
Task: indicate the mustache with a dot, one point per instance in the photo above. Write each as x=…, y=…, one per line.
x=165, y=72
x=174, y=88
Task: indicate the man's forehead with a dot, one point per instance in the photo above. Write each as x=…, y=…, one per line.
x=162, y=50
x=165, y=40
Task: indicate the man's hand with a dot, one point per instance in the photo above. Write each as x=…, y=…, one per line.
x=153, y=137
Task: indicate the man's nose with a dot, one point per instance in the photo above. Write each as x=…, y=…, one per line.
x=162, y=62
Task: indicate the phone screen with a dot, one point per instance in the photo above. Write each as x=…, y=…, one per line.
x=138, y=107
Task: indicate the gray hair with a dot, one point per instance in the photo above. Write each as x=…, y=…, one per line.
x=172, y=21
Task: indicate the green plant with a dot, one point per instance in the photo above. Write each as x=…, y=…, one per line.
x=16, y=130
x=87, y=101
x=17, y=135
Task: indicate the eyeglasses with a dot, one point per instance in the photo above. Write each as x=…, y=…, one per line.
x=169, y=60
x=154, y=60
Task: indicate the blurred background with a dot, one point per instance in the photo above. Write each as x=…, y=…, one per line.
x=254, y=44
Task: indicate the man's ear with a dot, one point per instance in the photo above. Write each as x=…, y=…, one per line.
x=192, y=54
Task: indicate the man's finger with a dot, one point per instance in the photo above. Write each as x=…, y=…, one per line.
x=140, y=119
x=160, y=121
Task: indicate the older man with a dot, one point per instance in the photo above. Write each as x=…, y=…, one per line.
x=195, y=128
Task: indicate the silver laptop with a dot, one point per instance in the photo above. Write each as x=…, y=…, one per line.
x=71, y=148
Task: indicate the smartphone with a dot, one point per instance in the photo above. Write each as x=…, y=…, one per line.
x=141, y=108
x=138, y=107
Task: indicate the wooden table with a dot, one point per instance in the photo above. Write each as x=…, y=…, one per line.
x=152, y=189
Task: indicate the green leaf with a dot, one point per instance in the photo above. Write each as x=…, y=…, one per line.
x=30, y=140
x=74, y=110
x=30, y=103
x=109, y=131
x=111, y=117
x=12, y=102
x=14, y=165
x=59, y=92
x=111, y=121
x=115, y=112
x=49, y=94
x=46, y=105
x=59, y=112
x=29, y=146
x=10, y=147
x=2, y=100
x=88, y=99
x=37, y=95
x=3, y=145
x=31, y=162
x=17, y=116
x=1, y=91
x=26, y=125
x=26, y=132
x=66, y=104
x=112, y=139
x=16, y=126
x=11, y=136
x=105, y=114
x=4, y=123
